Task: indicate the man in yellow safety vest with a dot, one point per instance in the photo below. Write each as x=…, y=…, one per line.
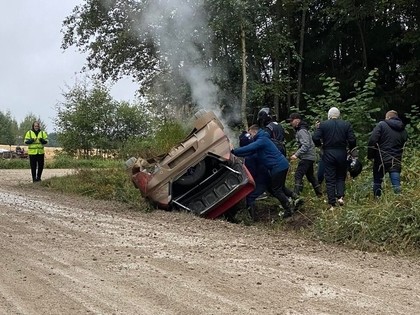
x=36, y=139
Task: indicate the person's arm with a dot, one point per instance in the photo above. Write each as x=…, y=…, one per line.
x=351, y=138
x=44, y=137
x=304, y=138
x=317, y=136
x=247, y=150
x=28, y=139
x=373, y=141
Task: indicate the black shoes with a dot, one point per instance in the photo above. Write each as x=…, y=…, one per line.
x=251, y=211
x=287, y=214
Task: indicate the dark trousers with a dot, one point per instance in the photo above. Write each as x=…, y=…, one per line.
x=278, y=187
x=306, y=168
x=36, y=162
x=321, y=171
x=335, y=162
x=260, y=187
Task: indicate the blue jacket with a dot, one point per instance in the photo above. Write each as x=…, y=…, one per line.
x=267, y=152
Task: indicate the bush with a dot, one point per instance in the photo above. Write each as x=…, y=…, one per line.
x=14, y=163
x=169, y=134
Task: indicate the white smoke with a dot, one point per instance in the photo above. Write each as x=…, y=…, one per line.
x=181, y=30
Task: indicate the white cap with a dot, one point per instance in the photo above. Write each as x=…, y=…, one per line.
x=333, y=113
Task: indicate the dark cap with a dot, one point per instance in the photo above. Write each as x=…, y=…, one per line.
x=293, y=116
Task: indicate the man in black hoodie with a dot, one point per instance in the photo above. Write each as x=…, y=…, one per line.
x=385, y=147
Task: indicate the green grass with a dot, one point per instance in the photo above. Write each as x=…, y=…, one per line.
x=111, y=184
x=390, y=224
x=61, y=162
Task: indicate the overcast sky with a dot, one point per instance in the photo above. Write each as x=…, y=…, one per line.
x=34, y=69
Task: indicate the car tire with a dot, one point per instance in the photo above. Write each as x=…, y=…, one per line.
x=193, y=175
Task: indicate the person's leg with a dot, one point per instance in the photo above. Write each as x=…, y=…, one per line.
x=299, y=173
x=321, y=171
x=330, y=173
x=40, y=159
x=378, y=175
x=312, y=179
x=278, y=179
x=395, y=178
x=250, y=199
x=32, y=163
x=341, y=173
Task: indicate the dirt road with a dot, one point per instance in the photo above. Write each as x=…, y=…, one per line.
x=71, y=255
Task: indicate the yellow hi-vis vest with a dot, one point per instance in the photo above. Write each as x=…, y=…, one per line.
x=36, y=147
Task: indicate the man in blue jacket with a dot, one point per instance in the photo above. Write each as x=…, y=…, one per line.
x=258, y=171
x=276, y=164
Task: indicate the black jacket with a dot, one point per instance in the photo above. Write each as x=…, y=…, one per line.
x=276, y=132
x=387, y=141
x=335, y=134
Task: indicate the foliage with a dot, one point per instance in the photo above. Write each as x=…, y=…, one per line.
x=391, y=223
x=8, y=129
x=12, y=133
x=14, y=163
x=413, y=127
x=27, y=123
x=168, y=134
x=90, y=119
x=53, y=140
x=359, y=109
x=161, y=42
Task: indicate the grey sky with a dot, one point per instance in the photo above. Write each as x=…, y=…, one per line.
x=34, y=69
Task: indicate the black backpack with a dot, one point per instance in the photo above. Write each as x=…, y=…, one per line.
x=276, y=132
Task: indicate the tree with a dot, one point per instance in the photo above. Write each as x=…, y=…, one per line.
x=89, y=119
x=28, y=121
x=8, y=129
x=244, y=54
x=114, y=36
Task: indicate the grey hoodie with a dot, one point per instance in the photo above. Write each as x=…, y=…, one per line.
x=306, y=150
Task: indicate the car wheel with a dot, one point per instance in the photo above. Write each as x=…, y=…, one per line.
x=193, y=175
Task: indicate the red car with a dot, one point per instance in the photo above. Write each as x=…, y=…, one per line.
x=199, y=175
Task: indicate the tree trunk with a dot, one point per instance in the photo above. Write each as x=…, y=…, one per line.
x=362, y=39
x=276, y=99
x=300, y=69
x=244, y=80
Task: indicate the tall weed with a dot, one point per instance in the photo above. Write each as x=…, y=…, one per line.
x=389, y=223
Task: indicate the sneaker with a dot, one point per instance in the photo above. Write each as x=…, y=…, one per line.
x=331, y=208
x=262, y=196
x=340, y=201
x=298, y=202
x=286, y=214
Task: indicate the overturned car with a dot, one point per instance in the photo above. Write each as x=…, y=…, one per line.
x=199, y=175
